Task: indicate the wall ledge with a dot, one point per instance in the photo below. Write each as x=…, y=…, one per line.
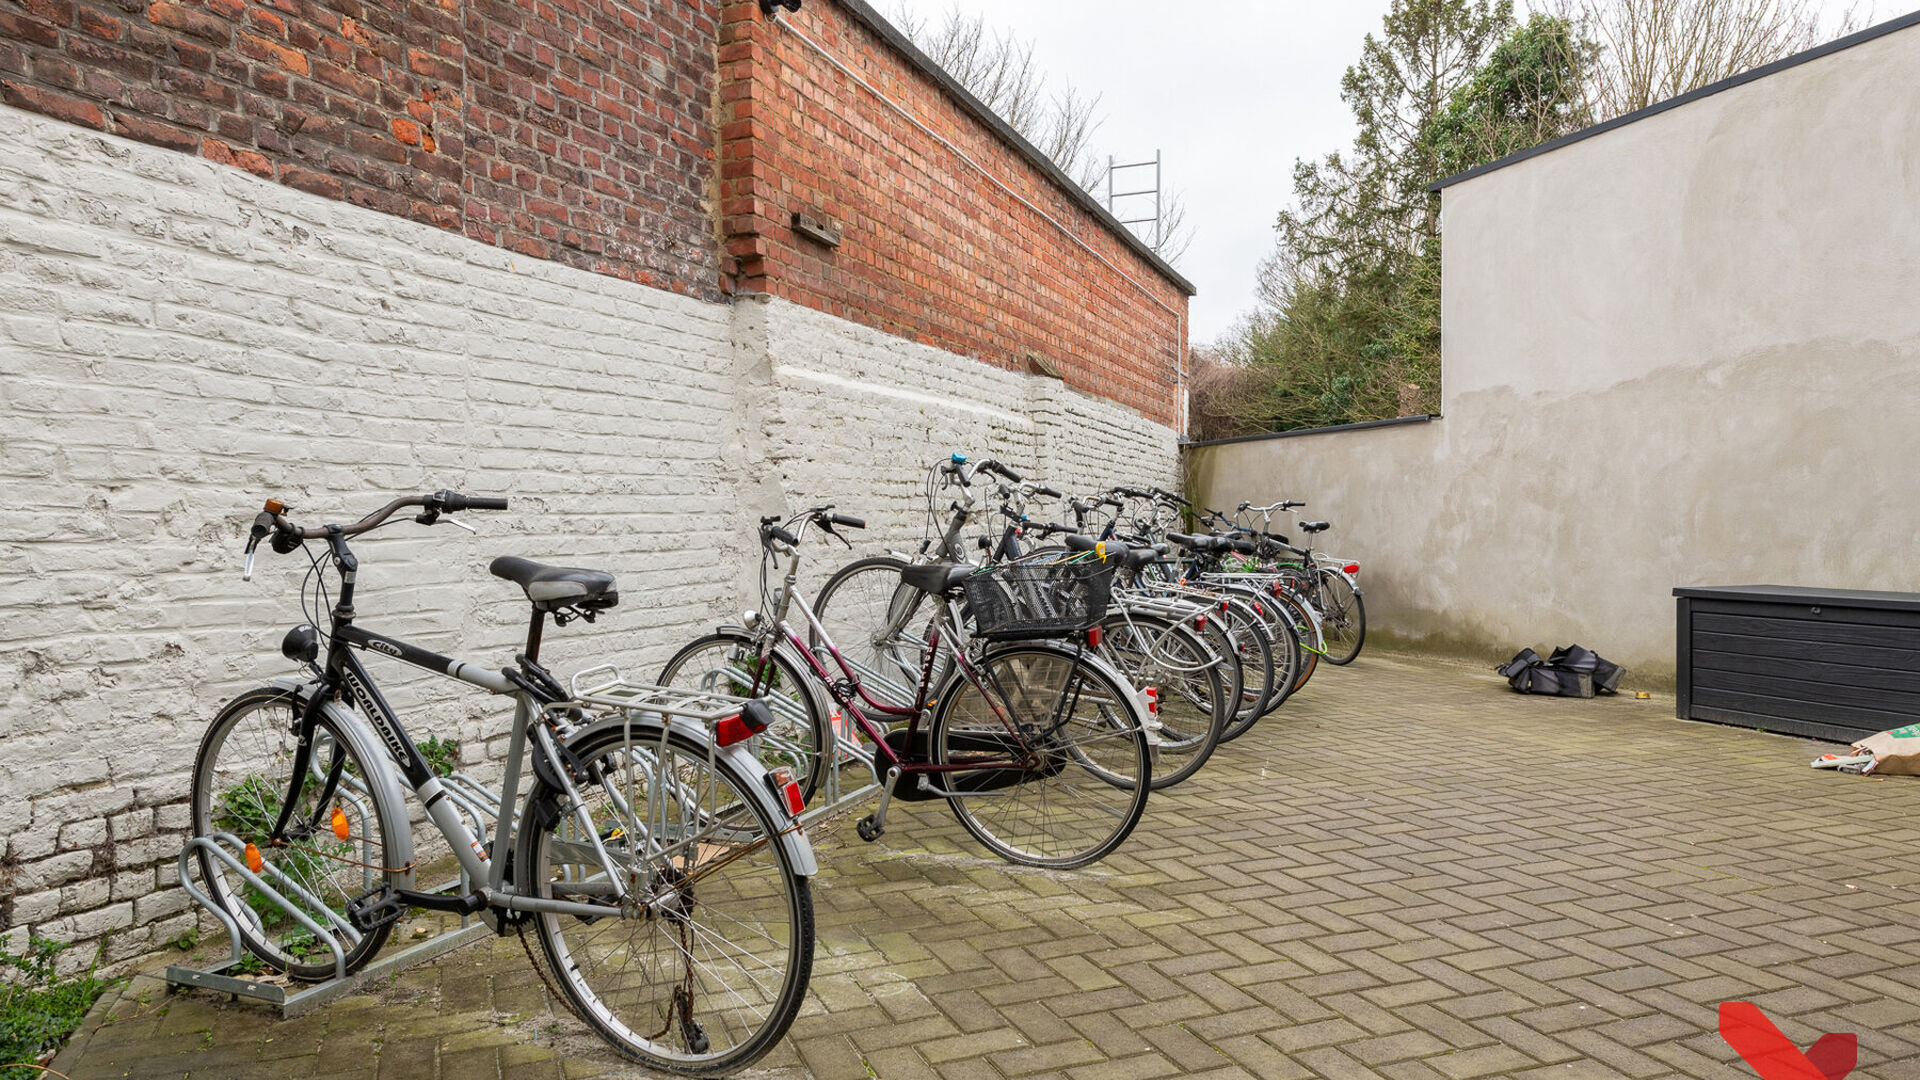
x=1421, y=419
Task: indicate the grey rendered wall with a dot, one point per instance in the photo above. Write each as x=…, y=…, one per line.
x=179, y=341
x=1680, y=352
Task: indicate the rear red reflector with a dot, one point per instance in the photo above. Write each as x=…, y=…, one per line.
x=1153, y=701
x=1095, y=635
x=731, y=730
x=1200, y=622
x=1352, y=568
x=782, y=782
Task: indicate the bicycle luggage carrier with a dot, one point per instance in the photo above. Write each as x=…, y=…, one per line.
x=1024, y=601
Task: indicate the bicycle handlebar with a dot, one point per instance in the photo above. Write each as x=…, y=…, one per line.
x=287, y=536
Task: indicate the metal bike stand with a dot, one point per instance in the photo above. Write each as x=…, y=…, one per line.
x=293, y=999
x=606, y=689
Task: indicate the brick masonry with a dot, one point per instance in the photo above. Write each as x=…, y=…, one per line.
x=665, y=143
x=579, y=131
x=987, y=274
x=180, y=339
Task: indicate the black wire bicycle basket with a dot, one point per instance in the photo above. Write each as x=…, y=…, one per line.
x=1023, y=601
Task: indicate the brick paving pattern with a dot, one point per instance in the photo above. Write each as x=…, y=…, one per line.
x=1408, y=873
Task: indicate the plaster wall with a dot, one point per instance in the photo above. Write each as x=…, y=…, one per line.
x=1681, y=352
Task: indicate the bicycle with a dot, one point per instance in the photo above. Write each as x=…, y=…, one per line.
x=867, y=604
x=1331, y=586
x=1040, y=750
x=665, y=877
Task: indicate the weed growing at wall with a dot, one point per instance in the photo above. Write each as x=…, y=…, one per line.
x=37, y=1010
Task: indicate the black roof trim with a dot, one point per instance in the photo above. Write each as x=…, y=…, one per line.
x=905, y=46
x=1290, y=433
x=1761, y=72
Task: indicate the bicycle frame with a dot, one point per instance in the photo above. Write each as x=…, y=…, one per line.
x=343, y=672
x=851, y=694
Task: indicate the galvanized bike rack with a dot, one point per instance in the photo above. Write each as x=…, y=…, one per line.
x=292, y=999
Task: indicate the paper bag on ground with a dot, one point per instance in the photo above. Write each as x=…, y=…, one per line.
x=1895, y=753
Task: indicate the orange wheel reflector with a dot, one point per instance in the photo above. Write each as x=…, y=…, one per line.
x=339, y=823
x=254, y=862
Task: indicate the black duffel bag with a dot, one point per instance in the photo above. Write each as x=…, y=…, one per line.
x=1570, y=671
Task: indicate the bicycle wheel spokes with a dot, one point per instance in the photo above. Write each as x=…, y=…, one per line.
x=334, y=849
x=702, y=968
x=1083, y=769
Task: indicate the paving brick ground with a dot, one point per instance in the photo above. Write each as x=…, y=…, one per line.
x=1407, y=873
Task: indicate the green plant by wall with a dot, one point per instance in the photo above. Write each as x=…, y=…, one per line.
x=442, y=755
x=37, y=1010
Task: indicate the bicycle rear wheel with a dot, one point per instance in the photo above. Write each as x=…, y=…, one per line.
x=1083, y=783
x=878, y=624
x=703, y=972
x=241, y=778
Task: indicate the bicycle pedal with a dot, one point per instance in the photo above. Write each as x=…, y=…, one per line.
x=868, y=829
x=375, y=909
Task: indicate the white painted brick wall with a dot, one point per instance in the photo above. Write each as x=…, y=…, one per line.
x=179, y=341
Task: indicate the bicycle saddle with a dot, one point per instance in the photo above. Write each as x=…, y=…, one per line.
x=552, y=588
x=936, y=578
x=1315, y=526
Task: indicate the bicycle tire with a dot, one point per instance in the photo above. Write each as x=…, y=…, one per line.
x=696, y=940
x=801, y=737
x=879, y=625
x=241, y=775
x=1086, y=789
x=1275, y=620
x=1343, y=617
x=1185, y=674
x=1277, y=653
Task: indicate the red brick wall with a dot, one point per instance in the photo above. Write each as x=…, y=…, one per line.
x=585, y=131
x=573, y=130
x=931, y=249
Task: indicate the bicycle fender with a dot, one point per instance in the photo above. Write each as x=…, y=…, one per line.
x=799, y=848
x=384, y=788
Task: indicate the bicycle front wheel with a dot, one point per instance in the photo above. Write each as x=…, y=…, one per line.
x=1084, y=766
x=879, y=625
x=1343, y=617
x=336, y=844
x=702, y=970
x=728, y=662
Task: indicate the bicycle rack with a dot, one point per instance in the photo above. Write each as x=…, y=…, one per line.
x=706, y=708
x=292, y=999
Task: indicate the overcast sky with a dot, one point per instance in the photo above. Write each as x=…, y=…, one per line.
x=1229, y=93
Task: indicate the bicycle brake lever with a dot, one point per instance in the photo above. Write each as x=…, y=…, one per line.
x=459, y=523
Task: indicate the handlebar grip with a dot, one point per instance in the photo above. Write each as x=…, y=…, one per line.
x=453, y=502
x=1043, y=489
x=783, y=535
x=995, y=467
x=1185, y=540
x=848, y=520
x=1244, y=547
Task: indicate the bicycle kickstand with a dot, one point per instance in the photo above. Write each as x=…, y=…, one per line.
x=871, y=826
